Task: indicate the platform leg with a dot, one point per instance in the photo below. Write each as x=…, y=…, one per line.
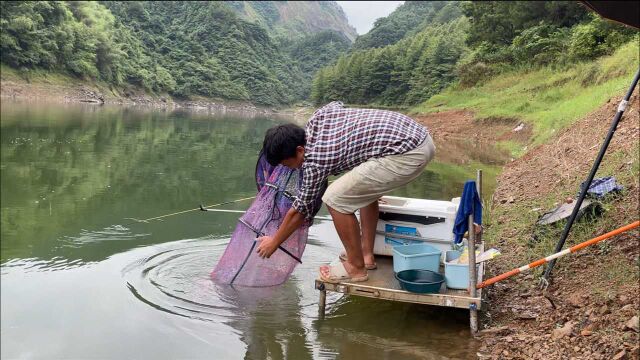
x=473, y=320
x=479, y=187
x=322, y=303
x=473, y=276
x=474, y=239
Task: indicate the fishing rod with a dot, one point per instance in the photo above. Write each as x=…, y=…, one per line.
x=198, y=208
x=552, y=257
x=204, y=208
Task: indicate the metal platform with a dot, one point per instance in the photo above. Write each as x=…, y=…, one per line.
x=382, y=284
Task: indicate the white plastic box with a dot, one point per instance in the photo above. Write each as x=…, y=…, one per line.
x=406, y=221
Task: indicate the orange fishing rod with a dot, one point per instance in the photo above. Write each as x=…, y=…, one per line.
x=570, y=250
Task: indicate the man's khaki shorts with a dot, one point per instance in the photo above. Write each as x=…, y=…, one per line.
x=375, y=177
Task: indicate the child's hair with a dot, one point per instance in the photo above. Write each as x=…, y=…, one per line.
x=280, y=142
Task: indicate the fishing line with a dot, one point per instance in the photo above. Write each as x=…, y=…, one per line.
x=186, y=211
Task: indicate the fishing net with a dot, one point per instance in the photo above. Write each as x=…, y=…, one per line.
x=240, y=264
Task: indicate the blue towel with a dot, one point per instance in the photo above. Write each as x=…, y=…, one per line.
x=469, y=202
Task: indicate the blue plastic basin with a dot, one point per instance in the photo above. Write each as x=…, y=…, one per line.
x=420, y=281
x=416, y=257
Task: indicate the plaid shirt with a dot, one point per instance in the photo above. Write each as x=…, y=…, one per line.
x=339, y=139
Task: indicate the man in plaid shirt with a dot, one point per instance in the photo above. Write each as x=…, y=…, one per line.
x=380, y=151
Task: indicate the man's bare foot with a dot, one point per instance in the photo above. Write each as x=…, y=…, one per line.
x=351, y=270
x=369, y=259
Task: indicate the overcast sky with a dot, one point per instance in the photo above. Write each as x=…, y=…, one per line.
x=362, y=14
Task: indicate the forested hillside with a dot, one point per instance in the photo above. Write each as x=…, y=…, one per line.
x=464, y=43
x=184, y=49
x=275, y=52
x=289, y=20
x=407, y=19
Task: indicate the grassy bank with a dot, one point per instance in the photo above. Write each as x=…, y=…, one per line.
x=548, y=99
x=59, y=87
x=515, y=222
x=51, y=84
x=38, y=76
x=567, y=112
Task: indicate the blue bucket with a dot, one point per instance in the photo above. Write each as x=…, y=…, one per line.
x=456, y=276
x=416, y=257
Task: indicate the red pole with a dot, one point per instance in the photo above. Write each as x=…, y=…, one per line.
x=544, y=260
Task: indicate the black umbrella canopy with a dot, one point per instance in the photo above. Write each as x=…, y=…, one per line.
x=625, y=12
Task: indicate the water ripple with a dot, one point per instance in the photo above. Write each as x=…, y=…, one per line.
x=175, y=279
x=37, y=264
x=110, y=233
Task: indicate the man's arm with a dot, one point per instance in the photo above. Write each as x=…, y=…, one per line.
x=269, y=244
x=312, y=179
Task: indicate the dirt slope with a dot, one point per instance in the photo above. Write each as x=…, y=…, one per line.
x=588, y=311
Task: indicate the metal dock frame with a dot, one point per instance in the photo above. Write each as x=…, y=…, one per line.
x=383, y=285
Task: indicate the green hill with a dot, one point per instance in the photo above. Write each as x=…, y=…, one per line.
x=184, y=49
x=547, y=99
x=406, y=20
x=295, y=19
x=424, y=47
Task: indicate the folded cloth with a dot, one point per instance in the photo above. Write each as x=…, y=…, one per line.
x=469, y=203
x=602, y=186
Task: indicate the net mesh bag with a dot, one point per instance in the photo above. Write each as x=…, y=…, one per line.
x=240, y=264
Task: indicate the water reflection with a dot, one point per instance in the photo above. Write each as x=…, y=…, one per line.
x=68, y=169
x=272, y=324
x=174, y=280
x=366, y=328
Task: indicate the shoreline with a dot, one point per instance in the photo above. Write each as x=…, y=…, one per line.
x=43, y=91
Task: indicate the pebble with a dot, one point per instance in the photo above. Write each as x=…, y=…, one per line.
x=508, y=339
x=626, y=307
x=563, y=331
x=620, y=355
x=588, y=312
x=633, y=324
x=603, y=310
x=577, y=300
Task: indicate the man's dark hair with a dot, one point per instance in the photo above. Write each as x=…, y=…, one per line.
x=280, y=142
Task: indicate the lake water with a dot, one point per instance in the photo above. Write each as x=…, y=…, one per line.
x=82, y=279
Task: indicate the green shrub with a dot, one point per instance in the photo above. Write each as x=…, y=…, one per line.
x=596, y=38
x=471, y=74
x=540, y=45
x=164, y=80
